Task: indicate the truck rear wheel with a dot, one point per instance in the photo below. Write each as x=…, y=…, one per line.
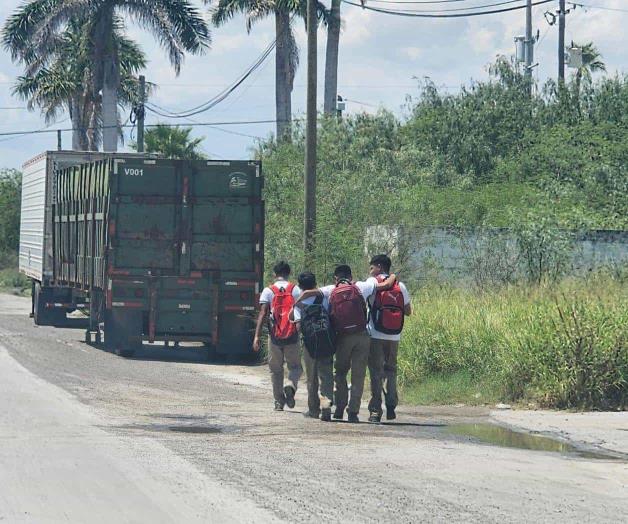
x=123, y=332
x=42, y=315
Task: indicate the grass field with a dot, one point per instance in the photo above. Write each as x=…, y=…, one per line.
x=562, y=346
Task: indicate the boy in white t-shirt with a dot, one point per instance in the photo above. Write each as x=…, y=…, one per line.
x=382, y=360
x=284, y=349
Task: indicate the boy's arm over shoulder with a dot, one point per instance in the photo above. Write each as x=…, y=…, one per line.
x=385, y=284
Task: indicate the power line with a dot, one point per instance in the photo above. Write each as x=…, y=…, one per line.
x=154, y=108
x=604, y=8
x=420, y=14
x=127, y=126
x=505, y=2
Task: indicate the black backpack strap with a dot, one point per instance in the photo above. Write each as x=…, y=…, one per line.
x=319, y=299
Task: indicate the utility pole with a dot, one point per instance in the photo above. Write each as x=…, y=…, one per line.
x=59, y=141
x=140, y=115
x=561, y=42
x=529, y=49
x=310, y=136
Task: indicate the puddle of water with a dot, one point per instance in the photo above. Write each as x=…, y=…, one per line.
x=204, y=430
x=504, y=437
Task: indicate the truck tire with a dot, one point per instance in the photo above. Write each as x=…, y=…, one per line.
x=123, y=332
x=41, y=314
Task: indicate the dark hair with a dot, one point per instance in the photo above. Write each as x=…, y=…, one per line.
x=383, y=261
x=282, y=269
x=307, y=280
x=343, y=272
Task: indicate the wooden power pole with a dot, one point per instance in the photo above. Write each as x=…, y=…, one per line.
x=141, y=113
x=310, y=136
x=561, y=42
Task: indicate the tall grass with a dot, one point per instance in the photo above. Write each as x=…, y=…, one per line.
x=562, y=346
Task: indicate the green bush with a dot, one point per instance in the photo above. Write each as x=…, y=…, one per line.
x=561, y=346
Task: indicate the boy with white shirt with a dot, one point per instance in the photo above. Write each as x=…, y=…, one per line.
x=276, y=302
x=385, y=324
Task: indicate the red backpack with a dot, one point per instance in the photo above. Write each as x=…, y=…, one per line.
x=282, y=331
x=347, y=309
x=387, y=310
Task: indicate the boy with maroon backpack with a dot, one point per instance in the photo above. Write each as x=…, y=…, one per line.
x=276, y=303
x=387, y=309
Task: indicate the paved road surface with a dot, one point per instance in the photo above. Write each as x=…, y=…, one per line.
x=91, y=437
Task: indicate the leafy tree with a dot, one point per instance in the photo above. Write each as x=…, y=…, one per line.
x=173, y=142
x=10, y=194
x=35, y=26
x=61, y=77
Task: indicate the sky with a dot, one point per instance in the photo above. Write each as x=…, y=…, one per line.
x=381, y=59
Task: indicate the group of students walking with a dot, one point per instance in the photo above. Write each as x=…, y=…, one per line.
x=346, y=326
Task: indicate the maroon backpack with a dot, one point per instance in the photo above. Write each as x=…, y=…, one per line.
x=347, y=309
x=387, y=310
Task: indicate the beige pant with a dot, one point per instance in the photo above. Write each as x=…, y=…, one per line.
x=352, y=353
x=320, y=382
x=291, y=354
x=383, y=372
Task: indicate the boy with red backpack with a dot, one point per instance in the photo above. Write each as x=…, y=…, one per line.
x=347, y=309
x=276, y=303
x=387, y=309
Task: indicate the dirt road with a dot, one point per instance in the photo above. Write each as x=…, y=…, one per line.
x=168, y=437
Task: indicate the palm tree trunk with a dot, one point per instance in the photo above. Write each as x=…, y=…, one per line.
x=107, y=78
x=331, y=58
x=75, y=118
x=110, y=107
x=283, y=77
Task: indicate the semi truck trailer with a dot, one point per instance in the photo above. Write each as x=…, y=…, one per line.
x=150, y=249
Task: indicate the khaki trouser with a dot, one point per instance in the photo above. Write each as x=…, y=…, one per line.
x=352, y=352
x=276, y=356
x=320, y=382
x=383, y=369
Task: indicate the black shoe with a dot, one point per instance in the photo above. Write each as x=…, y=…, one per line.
x=339, y=414
x=353, y=418
x=326, y=415
x=289, y=391
x=390, y=413
x=278, y=406
x=375, y=417
x=311, y=414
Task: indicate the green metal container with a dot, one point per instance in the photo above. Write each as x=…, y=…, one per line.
x=162, y=249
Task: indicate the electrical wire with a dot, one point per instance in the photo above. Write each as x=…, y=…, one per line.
x=420, y=14
x=602, y=7
x=506, y=2
x=127, y=126
x=163, y=112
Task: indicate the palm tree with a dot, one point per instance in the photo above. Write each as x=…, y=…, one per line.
x=591, y=63
x=286, y=50
x=176, y=24
x=172, y=142
x=61, y=78
x=331, y=58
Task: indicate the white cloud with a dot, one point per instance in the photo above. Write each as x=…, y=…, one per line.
x=412, y=52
